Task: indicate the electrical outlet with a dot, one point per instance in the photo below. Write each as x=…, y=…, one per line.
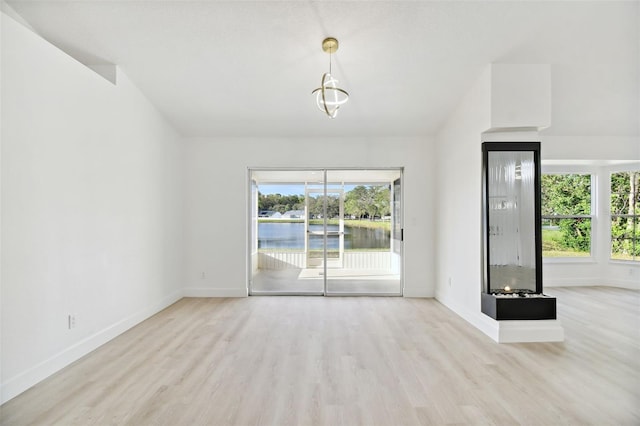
x=71, y=321
x=449, y=281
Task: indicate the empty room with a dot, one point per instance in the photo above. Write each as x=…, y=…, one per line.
x=319, y=212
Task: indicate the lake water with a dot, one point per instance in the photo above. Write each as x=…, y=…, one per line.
x=291, y=236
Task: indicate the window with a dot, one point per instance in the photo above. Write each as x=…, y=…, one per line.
x=625, y=216
x=566, y=215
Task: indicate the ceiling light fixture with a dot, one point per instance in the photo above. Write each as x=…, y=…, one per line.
x=329, y=97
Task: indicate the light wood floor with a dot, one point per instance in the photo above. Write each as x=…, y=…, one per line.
x=380, y=361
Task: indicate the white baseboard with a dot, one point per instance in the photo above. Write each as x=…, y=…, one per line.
x=483, y=323
x=479, y=320
x=23, y=381
x=417, y=292
x=487, y=325
x=632, y=285
x=511, y=331
x=517, y=331
x=592, y=282
x=571, y=282
x=214, y=292
x=530, y=331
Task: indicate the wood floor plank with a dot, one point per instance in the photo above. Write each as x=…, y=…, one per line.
x=348, y=361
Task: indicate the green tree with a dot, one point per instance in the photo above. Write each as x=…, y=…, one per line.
x=381, y=200
x=316, y=206
x=362, y=201
x=280, y=203
x=355, y=202
x=368, y=201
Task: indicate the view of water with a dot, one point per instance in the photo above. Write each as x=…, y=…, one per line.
x=291, y=236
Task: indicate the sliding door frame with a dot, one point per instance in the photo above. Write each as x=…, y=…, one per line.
x=251, y=235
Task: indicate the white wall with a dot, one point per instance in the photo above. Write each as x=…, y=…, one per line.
x=588, y=148
x=217, y=191
x=91, y=209
x=517, y=105
x=458, y=210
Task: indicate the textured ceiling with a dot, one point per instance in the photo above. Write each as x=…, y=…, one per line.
x=248, y=68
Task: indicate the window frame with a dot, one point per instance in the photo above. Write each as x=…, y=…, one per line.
x=636, y=259
x=591, y=258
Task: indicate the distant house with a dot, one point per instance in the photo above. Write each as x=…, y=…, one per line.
x=269, y=214
x=293, y=214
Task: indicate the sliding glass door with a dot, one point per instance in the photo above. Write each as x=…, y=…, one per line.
x=325, y=232
x=369, y=266
x=283, y=246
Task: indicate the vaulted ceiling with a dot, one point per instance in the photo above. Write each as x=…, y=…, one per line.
x=247, y=68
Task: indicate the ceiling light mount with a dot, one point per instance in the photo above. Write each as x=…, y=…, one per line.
x=329, y=97
x=330, y=45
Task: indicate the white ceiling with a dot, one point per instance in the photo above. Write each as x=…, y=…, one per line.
x=245, y=68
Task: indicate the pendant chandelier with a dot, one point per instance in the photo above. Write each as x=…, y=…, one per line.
x=329, y=97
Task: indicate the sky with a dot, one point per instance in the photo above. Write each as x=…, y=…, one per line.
x=291, y=189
